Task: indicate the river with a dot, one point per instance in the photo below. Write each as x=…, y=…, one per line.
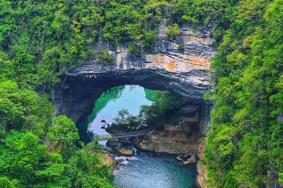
x=144, y=169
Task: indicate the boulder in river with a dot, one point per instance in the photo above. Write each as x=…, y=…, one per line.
x=179, y=158
x=190, y=160
x=126, y=151
x=187, y=158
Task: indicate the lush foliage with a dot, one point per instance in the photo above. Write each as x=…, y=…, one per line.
x=37, y=150
x=40, y=40
x=104, y=57
x=244, y=145
x=26, y=162
x=172, y=31
x=22, y=109
x=149, y=116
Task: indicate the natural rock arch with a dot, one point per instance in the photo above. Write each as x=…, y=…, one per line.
x=164, y=68
x=84, y=84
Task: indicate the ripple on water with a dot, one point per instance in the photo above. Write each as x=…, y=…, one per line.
x=143, y=170
x=154, y=171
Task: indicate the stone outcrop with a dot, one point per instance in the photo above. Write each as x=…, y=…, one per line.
x=202, y=178
x=182, y=134
x=108, y=160
x=172, y=142
x=180, y=66
x=164, y=67
x=126, y=152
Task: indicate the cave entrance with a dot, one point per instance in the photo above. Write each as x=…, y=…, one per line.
x=121, y=103
x=132, y=111
x=84, y=85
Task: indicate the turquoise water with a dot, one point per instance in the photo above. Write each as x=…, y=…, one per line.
x=127, y=97
x=143, y=170
x=146, y=170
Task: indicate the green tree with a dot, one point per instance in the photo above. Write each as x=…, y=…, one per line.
x=149, y=39
x=20, y=157
x=104, y=57
x=88, y=170
x=6, y=183
x=248, y=99
x=63, y=135
x=23, y=109
x=172, y=31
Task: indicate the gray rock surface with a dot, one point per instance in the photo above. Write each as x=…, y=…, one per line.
x=164, y=67
x=180, y=66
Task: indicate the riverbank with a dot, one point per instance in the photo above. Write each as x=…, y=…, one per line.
x=184, y=157
x=177, y=139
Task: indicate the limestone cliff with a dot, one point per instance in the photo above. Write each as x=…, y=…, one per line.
x=164, y=67
x=180, y=66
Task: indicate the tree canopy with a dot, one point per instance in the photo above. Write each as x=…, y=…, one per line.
x=244, y=146
x=40, y=40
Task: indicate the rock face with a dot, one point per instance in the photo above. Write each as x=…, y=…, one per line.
x=164, y=67
x=182, y=138
x=180, y=66
x=191, y=83
x=172, y=142
x=202, y=175
x=108, y=160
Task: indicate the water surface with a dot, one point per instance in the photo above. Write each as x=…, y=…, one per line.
x=146, y=170
x=126, y=97
x=143, y=170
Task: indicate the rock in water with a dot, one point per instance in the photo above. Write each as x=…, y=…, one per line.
x=191, y=160
x=126, y=151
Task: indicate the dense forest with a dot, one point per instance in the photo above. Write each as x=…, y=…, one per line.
x=244, y=146
x=41, y=39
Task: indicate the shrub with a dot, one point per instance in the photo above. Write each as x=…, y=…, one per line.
x=172, y=31
x=149, y=38
x=186, y=18
x=104, y=57
x=134, y=49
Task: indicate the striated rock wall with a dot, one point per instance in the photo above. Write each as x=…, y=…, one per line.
x=172, y=142
x=164, y=67
x=180, y=66
x=181, y=134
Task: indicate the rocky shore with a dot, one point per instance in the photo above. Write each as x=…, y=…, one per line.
x=108, y=160
x=201, y=179
x=189, y=150
x=171, y=143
